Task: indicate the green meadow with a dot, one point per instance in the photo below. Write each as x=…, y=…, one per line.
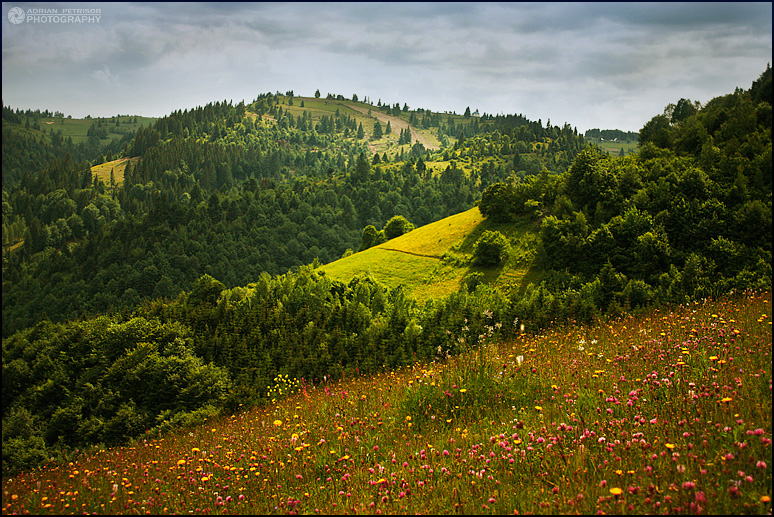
x=77, y=129
x=603, y=349
x=388, y=143
x=437, y=259
x=614, y=148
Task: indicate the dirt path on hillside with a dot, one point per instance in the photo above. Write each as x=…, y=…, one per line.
x=436, y=257
x=396, y=124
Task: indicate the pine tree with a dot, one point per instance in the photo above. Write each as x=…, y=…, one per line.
x=362, y=169
x=377, y=131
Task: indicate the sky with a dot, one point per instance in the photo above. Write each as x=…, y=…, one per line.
x=591, y=65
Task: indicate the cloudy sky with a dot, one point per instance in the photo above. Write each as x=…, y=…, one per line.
x=592, y=65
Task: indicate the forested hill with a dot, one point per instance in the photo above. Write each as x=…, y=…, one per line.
x=193, y=245
x=237, y=190
x=33, y=138
x=688, y=216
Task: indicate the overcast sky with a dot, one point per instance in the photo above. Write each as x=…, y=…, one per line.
x=592, y=65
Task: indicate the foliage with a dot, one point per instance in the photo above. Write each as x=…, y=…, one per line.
x=218, y=189
x=397, y=226
x=197, y=255
x=34, y=138
x=371, y=237
x=496, y=202
x=491, y=249
x=99, y=381
x=689, y=216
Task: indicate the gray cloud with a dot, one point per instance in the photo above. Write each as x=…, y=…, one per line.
x=590, y=64
x=105, y=76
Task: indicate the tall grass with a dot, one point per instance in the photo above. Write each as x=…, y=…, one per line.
x=665, y=413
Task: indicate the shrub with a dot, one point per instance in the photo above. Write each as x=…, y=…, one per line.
x=491, y=249
x=206, y=290
x=371, y=237
x=396, y=227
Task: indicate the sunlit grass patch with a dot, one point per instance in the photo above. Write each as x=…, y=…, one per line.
x=436, y=260
x=435, y=238
x=391, y=268
x=118, y=167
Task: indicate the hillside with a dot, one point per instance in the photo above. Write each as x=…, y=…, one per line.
x=397, y=124
x=217, y=189
x=436, y=260
x=31, y=139
x=669, y=412
x=115, y=168
x=201, y=277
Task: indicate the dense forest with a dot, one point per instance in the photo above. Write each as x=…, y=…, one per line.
x=192, y=285
x=33, y=138
x=217, y=190
x=687, y=217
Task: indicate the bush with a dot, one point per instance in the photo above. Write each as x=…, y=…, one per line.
x=497, y=203
x=474, y=280
x=206, y=290
x=491, y=249
x=371, y=237
x=396, y=227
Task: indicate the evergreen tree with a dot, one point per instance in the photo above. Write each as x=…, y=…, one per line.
x=362, y=169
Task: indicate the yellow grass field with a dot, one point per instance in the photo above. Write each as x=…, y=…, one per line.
x=102, y=171
x=432, y=261
x=435, y=238
x=413, y=260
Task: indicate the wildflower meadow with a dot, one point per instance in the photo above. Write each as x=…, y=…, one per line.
x=664, y=412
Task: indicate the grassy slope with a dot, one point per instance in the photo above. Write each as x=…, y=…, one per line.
x=668, y=413
x=434, y=260
x=118, y=167
x=77, y=129
x=359, y=110
x=614, y=148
